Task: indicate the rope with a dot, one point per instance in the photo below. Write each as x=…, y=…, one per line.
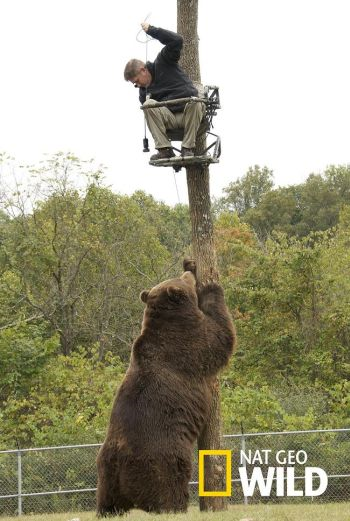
x=148, y=39
x=177, y=191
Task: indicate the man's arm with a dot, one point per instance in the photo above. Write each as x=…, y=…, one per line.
x=142, y=95
x=172, y=41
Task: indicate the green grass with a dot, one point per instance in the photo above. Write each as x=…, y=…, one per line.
x=319, y=512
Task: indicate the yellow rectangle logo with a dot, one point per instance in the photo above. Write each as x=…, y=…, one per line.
x=214, y=493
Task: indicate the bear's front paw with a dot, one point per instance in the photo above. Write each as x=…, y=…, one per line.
x=190, y=265
x=209, y=286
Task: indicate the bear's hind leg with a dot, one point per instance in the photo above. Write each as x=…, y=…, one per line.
x=173, y=493
x=109, y=499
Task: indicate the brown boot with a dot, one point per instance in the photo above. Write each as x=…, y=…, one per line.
x=187, y=152
x=163, y=153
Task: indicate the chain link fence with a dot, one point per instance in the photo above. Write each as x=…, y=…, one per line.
x=63, y=479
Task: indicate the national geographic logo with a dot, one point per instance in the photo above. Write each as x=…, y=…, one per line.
x=201, y=456
x=280, y=470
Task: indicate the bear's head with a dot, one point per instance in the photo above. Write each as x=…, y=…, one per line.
x=172, y=295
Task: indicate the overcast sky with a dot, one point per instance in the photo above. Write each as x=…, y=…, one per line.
x=282, y=67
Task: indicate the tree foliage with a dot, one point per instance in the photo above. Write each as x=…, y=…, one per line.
x=292, y=318
x=82, y=256
x=296, y=210
x=247, y=191
x=69, y=401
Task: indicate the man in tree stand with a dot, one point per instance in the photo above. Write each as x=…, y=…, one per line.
x=164, y=80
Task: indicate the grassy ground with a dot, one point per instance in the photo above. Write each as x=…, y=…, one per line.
x=326, y=512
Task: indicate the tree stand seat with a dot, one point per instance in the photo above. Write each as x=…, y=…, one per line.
x=210, y=96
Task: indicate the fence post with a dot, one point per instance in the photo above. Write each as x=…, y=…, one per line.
x=19, y=477
x=244, y=461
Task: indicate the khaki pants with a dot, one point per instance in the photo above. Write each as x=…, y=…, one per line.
x=160, y=119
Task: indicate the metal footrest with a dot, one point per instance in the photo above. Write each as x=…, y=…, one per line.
x=178, y=162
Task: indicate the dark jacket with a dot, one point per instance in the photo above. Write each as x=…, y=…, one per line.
x=169, y=81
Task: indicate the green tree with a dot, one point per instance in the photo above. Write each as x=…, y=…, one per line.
x=24, y=352
x=172, y=224
x=68, y=402
x=247, y=191
x=290, y=300
x=82, y=257
x=296, y=210
x=235, y=244
x=278, y=211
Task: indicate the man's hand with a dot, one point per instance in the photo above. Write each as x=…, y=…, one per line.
x=145, y=26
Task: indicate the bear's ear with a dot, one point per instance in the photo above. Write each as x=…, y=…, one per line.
x=143, y=295
x=175, y=294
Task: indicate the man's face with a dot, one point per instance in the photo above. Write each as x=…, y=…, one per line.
x=142, y=79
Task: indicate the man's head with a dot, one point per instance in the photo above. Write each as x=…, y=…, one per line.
x=137, y=72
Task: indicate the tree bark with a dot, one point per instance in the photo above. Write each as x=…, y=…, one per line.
x=203, y=249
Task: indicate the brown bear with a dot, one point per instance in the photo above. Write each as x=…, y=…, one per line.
x=187, y=336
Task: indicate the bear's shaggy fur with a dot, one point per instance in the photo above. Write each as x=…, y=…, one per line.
x=146, y=460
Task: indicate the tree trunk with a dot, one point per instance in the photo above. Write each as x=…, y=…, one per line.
x=202, y=247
